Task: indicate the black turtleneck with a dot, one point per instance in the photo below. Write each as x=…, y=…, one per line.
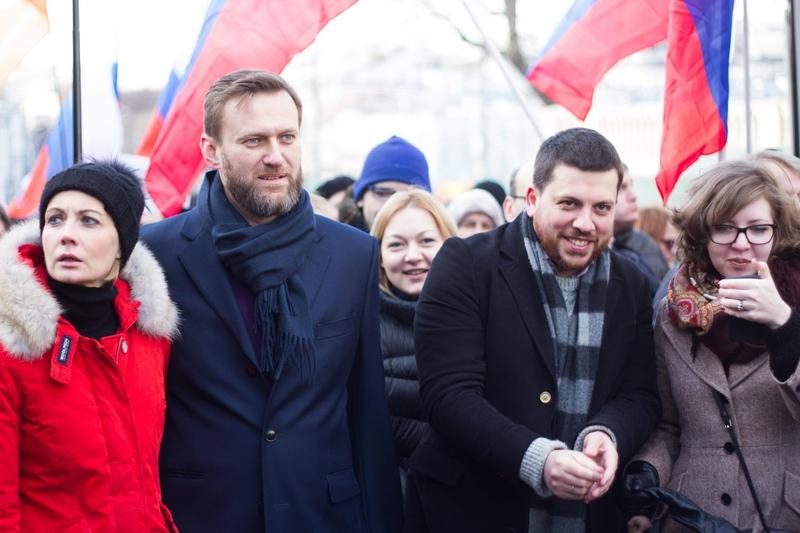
x=401, y=294
x=89, y=309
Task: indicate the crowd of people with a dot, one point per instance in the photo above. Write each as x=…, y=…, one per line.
x=365, y=358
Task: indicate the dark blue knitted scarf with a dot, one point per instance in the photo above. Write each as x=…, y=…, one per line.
x=266, y=258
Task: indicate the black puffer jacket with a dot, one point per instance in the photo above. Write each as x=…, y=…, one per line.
x=400, y=370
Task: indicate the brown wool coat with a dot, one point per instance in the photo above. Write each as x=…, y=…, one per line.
x=687, y=447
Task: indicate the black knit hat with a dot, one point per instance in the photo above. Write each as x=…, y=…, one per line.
x=334, y=185
x=115, y=185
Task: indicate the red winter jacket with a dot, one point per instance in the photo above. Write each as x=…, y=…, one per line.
x=81, y=420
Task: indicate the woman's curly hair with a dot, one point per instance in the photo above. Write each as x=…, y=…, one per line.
x=721, y=192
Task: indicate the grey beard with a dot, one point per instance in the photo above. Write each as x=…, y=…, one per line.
x=258, y=205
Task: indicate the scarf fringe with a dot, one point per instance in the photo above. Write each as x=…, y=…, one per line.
x=266, y=303
x=294, y=352
x=284, y=349
x=281, y=349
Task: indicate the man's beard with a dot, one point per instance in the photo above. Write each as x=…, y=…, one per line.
x=259, y=204
x=549, y=241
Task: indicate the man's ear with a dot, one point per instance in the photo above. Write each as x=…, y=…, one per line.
x=508, y=202
x=210, y=150
x=531, y=198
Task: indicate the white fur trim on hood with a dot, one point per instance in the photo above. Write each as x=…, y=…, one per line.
x=29, y=313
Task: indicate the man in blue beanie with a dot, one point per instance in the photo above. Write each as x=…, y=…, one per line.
x=392, y=166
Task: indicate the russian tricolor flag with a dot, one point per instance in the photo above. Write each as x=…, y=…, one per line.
x=591, y=38
x=163, y=105
x=596, y=34
x=236, y=34
x=696, y=96
x=54, y=156
x=177, y=77
x=100, y=113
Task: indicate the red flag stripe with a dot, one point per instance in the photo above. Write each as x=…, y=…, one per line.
x=22, y=206
x=259, y=34
x=693, y=121
x=608, y=31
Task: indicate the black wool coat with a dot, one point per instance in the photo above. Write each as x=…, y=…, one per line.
x=400, y=371
x=488, y=383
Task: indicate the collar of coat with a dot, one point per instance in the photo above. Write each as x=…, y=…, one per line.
x=29, y=313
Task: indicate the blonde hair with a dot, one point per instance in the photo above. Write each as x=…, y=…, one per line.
x=653, y=221
x=402, y=200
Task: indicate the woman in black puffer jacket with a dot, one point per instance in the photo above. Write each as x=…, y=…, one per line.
x=410, y=227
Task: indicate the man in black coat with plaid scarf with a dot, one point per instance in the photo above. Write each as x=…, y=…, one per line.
x=536, y=362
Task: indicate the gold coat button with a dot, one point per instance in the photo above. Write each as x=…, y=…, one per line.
x=545, y=397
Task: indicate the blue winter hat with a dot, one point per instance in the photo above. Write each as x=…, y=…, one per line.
x=393, y=160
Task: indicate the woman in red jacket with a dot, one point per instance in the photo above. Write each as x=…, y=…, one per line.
x=85, y=327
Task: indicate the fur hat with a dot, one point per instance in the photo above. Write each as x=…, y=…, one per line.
x=393, y=160
x=475, y=201
x=115, y=185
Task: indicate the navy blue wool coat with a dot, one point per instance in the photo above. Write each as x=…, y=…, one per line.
x=241, y=453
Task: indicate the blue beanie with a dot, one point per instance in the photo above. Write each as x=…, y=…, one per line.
x=393, y=160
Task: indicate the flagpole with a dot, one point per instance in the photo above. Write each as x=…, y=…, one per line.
x=794, y=13
x=490, y=47
x=748, y=115
x=76, y=84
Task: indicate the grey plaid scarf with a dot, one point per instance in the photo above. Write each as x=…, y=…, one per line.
x=577, y=336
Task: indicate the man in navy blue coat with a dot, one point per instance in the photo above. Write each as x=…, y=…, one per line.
x=276, y=419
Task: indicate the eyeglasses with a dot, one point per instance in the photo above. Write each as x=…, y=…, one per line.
x=382, y=192
x=517, y=196
x=757, y=234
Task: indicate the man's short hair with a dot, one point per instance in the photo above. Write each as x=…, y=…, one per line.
x=512, y=182
x=242, y=84
x=581, y=148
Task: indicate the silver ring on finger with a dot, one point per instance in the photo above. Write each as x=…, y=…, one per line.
x=740, y=305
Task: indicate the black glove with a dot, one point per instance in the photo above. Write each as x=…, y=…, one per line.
x=638, y=476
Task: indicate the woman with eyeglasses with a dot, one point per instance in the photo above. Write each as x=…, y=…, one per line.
x=727, y=345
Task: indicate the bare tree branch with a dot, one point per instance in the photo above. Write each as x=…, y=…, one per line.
x=513, y=51
x=464, y=37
